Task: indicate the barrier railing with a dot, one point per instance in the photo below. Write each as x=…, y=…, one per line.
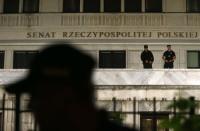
x=132, y=112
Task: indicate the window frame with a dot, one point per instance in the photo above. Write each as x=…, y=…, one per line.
x=31, y=10
x=65, y=10
x=187, y=7
x=123, y=65
x=7, y=11
x=3, y=63
x=87, y=11
x=17, y=66
x=114, y=11
x=198, y=51
x=132, y=10
x=160, y=11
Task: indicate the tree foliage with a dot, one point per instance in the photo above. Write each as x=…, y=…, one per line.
x=185, y=119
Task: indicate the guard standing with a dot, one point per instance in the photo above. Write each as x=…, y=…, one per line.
x=147, y=58
x=169, y=56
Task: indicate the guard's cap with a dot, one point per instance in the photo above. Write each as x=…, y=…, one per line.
x=145, y=46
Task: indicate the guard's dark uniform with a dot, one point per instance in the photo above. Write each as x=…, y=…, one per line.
x=168, y=56
x=147, y=58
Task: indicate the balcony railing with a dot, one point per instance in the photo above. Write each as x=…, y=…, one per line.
x=101, y=19
x=127, y=77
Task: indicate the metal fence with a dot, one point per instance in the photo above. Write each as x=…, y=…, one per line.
x=15, y=116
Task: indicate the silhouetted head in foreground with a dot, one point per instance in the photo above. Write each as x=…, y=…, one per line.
x=61, y=91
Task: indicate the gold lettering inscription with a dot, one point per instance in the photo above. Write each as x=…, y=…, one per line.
x=177, y=34
x=113, y=34
x=106, y=34
x=40, y=34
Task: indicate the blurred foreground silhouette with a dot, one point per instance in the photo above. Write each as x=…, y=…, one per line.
x=62, y=93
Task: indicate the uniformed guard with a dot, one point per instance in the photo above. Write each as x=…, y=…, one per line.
x=147, y=58
x=169, y=56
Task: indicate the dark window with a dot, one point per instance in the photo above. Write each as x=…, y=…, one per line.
x=112, y=59
x=31, y=6
x=112, y=5
x=193, y=5
x=193, y=59
x=71, y=6
x=2, y=59
x=133, y=6
x=91, y=6
x=11, y=6
x=22, y=59
x=151, y=122
x=153, y=6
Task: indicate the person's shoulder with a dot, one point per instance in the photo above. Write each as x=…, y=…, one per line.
x=165, y=51
x=173, y=53
x=150, y=51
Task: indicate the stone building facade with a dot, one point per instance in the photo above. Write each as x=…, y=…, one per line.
x=114, y=33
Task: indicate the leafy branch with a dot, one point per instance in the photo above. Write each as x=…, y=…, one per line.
x=185, y=119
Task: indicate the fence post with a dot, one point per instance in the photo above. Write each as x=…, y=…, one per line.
x=192, y=109
x=114, y=104
x=154, y=115
x=174, y=107
x=17, y=112
x=35, y=125
x=3, y=112
x=134, y=112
